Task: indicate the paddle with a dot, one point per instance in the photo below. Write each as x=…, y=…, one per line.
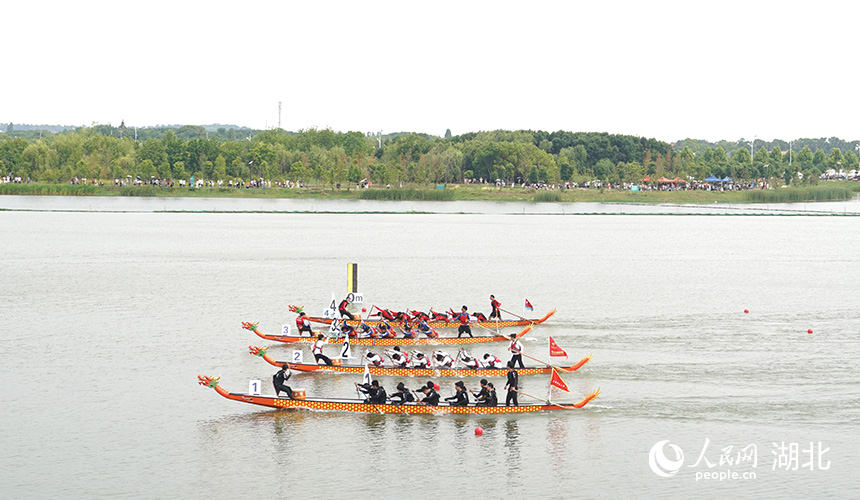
x=512, y=314
x=548, y=364
x=544, y=400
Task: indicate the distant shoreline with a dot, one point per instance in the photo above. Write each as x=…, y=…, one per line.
x=829, y=191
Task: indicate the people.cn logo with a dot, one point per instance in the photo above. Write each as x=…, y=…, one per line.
x=661, y=464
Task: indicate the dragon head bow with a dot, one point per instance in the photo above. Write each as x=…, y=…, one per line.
x=210, y=382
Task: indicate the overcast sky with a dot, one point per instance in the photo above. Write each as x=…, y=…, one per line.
x=668, y=70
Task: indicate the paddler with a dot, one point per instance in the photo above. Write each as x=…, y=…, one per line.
x=402, y=394
x=516, y=348
x=304, y=325
x=463, y=318
x=419, y=360
x=342, y=308
x=468, y=360
x=495, y=305
x=408, y=333
x=347, y=330
x=442, y=359
x=384, y=330
x=492, y=361
x=487, y=395
x=460, y=397
x=397, y=358
x=365, y=331
x=431, y=397
x=279, y=380
x=318, y=348
x=512, y=385
x=375, y=393
x=424, y=329
x=374, y=358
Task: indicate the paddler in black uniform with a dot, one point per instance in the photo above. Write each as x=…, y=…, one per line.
x=403, y=395
x=375, y=393
x=431, y=397
x=492, y=400
x=482, y=394
x=279, y=380
x=460, y=397
x=344, y=314
x=512, y=385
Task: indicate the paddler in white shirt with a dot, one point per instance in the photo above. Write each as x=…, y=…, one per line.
x=442, y=359
x=374, y=359
x=317, y=350
x=419, y=360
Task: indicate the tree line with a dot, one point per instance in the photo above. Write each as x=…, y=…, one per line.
x=328, y=157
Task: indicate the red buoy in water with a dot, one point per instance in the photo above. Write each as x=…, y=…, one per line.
x=436, y=386
x=364, y=309
x=746, y=311
x=479, y=431
x=809, y=331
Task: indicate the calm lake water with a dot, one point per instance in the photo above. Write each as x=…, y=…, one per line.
x=108, y=318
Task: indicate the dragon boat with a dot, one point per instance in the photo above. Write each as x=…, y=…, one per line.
x=411, y=372
x=378, y=341
x=358, y=405
x=444, y=324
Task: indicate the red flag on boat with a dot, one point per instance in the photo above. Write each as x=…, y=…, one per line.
x=557, y=381
x=555, y=350
x=529, y=305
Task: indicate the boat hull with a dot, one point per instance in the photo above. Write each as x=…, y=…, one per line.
x=289, y=339
x=358, y=406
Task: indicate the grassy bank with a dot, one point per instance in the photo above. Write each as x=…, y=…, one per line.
x=827, y=191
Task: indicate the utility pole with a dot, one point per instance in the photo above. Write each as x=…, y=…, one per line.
x=279, y=114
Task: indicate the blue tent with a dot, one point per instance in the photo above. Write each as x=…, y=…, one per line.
x=727, y=179
x=712, y=179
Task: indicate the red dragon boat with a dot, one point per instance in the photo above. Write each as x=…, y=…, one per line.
x=445, y=324
x=386, y=342
x=411, y=372
x=358, y=405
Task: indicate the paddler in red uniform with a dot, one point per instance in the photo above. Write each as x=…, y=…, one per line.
x=463, y=318
x=342, y=308
x=304, y=325
x=495, y=305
